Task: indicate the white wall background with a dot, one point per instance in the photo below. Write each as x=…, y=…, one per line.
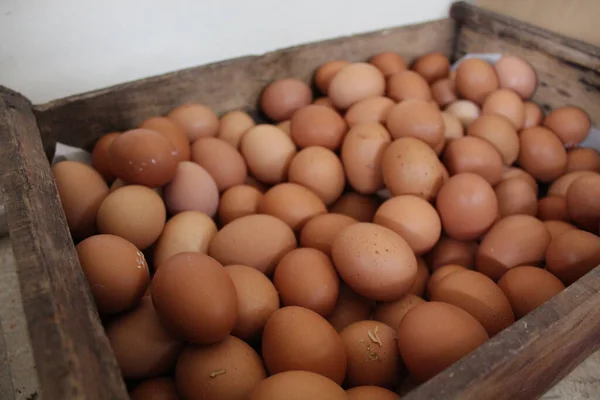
x=54, y=48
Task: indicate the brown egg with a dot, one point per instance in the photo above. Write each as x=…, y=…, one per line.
x=135, y=213
x=238, y=201
x=324, y=101
x=418, y=287
x=350, y=308
x=466, y=111
x=453, y=129
x=506, y=103
x=173, y=132
x=360, y=207
x=440, y=274
x=583, y=159
x=282, y=97
x=186, y=231
x=297, y=385
x=572, y=255
x=326, y=72
x=355, y=82
x=452, y=251
x=533, y=115
x=320, y=231
x=285, y=127
x=389, y=63
x=513, y=241
x=515, y=196
x=542, y=154
x=553, y=208
x=291, y=203
x=100, y=157
x=527, y=288
x=320, y=170
x=479, y=296
x=141, y=344
x=81, y=190
x=374, y=261
x=475, y=80
x=571, y=124
x=318, y=126
x=204, y=319
x=432, y=66
x=557, y=228
x=361, y=155
x=296, y=338
x=192, y=189
x=444, y=91
x=416, y=118
x=233, y=126
x=221, y=160
x=155, y=389
x=227, y=370
x=268, y=152
x=371, y=392
x=258, y=241
x=434, y=335
x=372, y=354
x=373, y=109
x=467, y=206
x=196, y=120
x=410, y=166
x=500, y=133
x=514, y=172
x=391, y=313
x=582, y=201
x=413, y=218
x=516, y=74
x=475, y=155
x=143, y=157
x=560, y=186
x=408, y=85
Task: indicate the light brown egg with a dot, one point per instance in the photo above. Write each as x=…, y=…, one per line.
x=221, y=160
x=479, y=296
x=440, y=274
x=515, y=196
x=192, y=189
x=513, y=241
x=571, y=124
x=582, y=201
x=583, y=159
x=453, y=129
x=416, y=118
x=408, y=85
x=297, y=385
x=326, y=72
x=452, y=251
x=196, y=120
x=320, y=231
x=557, y=228
x=432, y=66
x=233, y=126
x=434, y=335
x=135, y=213
x=516, y=74
x=324, y=101
x=355, y=82
x=514, y=172
x=475, y=155
x=355, y=205
x=238, y=201
x=155, y=389
x=371, y=392
x=392, y=312
x=350, y=308
x=292, y=203
x=475, y=80
x=572, y=255
x=542, y=154
x=316, y=125
x=296, y=338
x=466, y=111
x=467, y=206
x=186, y=231
x=283, y=97
x=173, y=132
x=101, y=158
x=373, y=109
x=374, y=261
x=228, y=370
x=389, y=63
x=444, y=91
x=560, y=186
x=81, y=190
x=506, y=103
x=410, y=166
x=257, y=299
x=527, y=288
x=533, y=114
x=500, y=133
x=285, y=127
x=268, y=152
x=553, y=208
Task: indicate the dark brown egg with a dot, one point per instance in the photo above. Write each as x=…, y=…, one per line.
x=326, y=72
x=571, y=124
x=583, y=159
x=316, y=125
x=297, y=385
x=444, y=91
x=572, y=255
x=440, y=274
x=553, y=208
x=515, y=196
x=350, y=308
x=472, y=154
x=516, y=74
x=101, y=158
x=408, y=85
x=416, y=118
x=542, y=154
x=358, y=206
x=583, y=206
x=452, y=251
x=196, y=120
x=392, y=312
x=389, y=63
x=171, y=131
x=475, y=80
x=281, y=98
x=155, y=389
x=432, y=66
x=371, y=392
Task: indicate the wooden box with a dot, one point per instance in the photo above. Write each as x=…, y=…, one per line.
x=71, y=351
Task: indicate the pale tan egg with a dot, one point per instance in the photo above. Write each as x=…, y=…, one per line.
x=466, y=111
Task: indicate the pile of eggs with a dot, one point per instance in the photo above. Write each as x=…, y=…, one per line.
x=356, y=246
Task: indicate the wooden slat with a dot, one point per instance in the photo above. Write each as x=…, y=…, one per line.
x=72, y=354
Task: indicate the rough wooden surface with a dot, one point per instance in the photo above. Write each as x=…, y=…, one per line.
x=71, y=351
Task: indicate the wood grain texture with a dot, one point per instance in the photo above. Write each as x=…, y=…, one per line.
x=73, y=356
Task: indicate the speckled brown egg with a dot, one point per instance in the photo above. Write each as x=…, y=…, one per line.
x=408, y=85
x=238, y=201
x=542, y=154
x=192, y=189
x=283, y=97
x=320, y=231
x=533, y=115
x=358, y=206
x=553, y=208
x=506, y=103
x=101, y=158
x=326, y=72
x=475, y=155
x=392, y=312
x=355, y=82
x=233, y=126
x=432, y=66
x=371, y=392
x=350, y=307
x=444, y=91
x=297, y=385
x=171, y=131
x=466, y=111
x=572, y=255
x=515, y=196
x=197, y=120
x=516, y=74
x=416, y=118
x=583, y=159
x=440, y=274
x=292, y=203
x=475, y=80
x=557, y=228
x=316, y=125
x=452, y=251
x=500, y=133
x=162, y=388
x=221, y=160
x=571, y=124
x=373, y=109
x=582, y=205
x=389, y=63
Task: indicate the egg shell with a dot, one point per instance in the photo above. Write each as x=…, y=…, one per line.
x=527, y=288
x=533, y=115
x=392, y=312
x=467, y=206
x=350, y=307
x=557, y=228
x=258, y=241
x=560, y=186
x=582, y=205
x=82, y=190
x=516, y=74
x=372, y=354
x=506, y=103
x=416, y=118
x=285, y=127
x=238, y=201
x=292, y=203
x=233, y=126
x=542, y=154
x=374, y=261
x=373, y=109
x=434, y=335
x=452, y=251
x=466, y=111
x=324, y=101
x=444, y=91
x=498, y=131
x=479, y=296
x=192, y=189
x=296, y=338
x=371, y=392
x=583, y=159
x=514, y=172
x=355, y=82
x=155, y=389
x=389, y=63
x=453, y=129
x=101, y=158
x=439, y=274
x=197, y=120
x=475, y=155
x=572, y=255
x=355, y=205
x=475, y=80
x=571, y=124
x=553, y=208
x=432, y=66
x=206, y=318
x=408, y=85
x=143, y=347
x=297, y=385
x=257, y=299
x=227, y=370
x=283, y=97
x=418, y=287
x=317, y=125
x=326, y=72
x=221, y=160
x=320, y=231
x=515, y=196
x=513, y=241
x=173, y=132
x=184, y=232
x=135, y=213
